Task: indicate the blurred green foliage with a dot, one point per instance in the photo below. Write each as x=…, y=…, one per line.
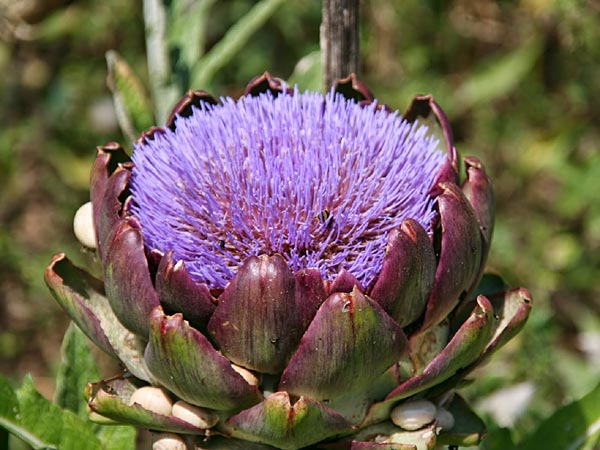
x=519, y=81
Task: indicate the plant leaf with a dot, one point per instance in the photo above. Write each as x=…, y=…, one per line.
x=9, y=418
x=308, y=72
x=233, y=41
x=572, y=427
x=131, y=101
x=498, y=439
x=61, y=428
x=39, y=422
x=164, y=94
x=9, y=405
x=186, y=36
x=496, y=77
x=117, y=437
x=78, y=368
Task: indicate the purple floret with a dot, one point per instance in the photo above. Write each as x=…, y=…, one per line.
x=318, y=179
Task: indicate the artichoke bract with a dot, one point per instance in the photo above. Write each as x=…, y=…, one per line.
x=292, y=270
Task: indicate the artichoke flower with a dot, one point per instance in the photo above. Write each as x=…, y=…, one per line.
x=291, y=270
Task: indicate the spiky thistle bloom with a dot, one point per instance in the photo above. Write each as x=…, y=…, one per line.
x=292, y=270
x=241, y=179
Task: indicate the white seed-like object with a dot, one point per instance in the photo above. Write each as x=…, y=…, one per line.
x=413, y=415
x=444, y=418
x=200, y=418
x=168, y=441
x=153, y=399
x=83, y=225
x=250, y=378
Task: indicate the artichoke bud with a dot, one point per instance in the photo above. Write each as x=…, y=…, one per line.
x=288, y=269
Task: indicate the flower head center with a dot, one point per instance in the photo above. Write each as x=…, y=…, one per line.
x=318, y=179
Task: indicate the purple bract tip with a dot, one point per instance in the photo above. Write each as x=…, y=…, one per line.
x=318, y=179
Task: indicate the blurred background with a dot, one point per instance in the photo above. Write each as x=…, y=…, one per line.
x=519, y=80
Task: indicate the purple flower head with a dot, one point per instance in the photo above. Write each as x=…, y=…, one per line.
x=319, y=179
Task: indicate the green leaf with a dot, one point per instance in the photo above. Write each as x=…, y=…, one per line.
x=9, y=405
x=186, y=36
x=132, y=102
x=498, y=439
x=77, y=369
x=11, y=421
x=41, y=424
x=75, y=432
x=233, y=41
x=308, y=73
x=572, y=427
x=119, y=437
x=51, y=426
x=496, y=77
x=164, y=93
